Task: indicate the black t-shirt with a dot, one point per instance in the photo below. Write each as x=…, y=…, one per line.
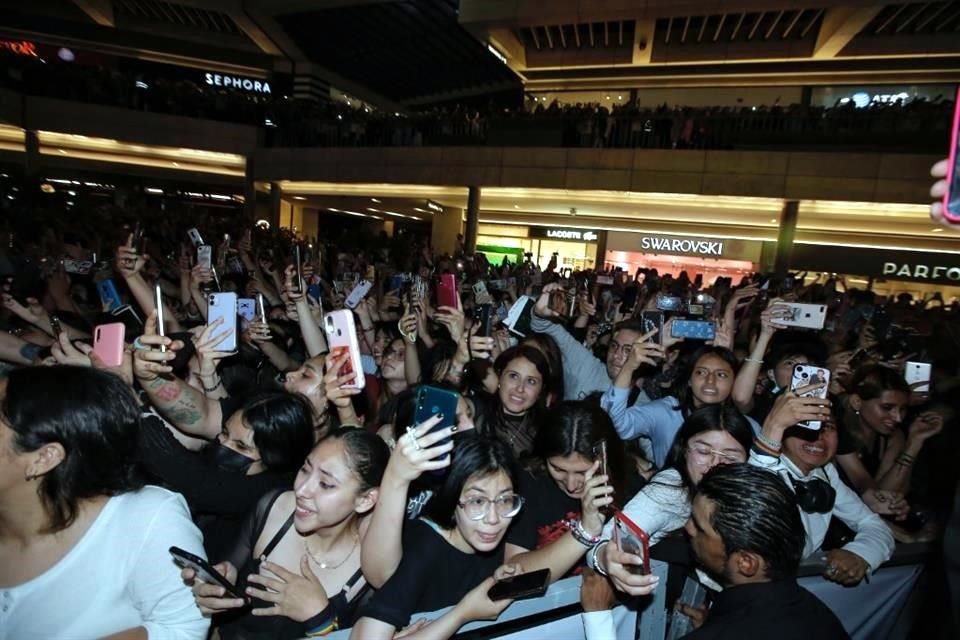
x=432, y=575
x=546, y=509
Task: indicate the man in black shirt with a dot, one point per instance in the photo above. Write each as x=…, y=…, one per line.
x=746, y=530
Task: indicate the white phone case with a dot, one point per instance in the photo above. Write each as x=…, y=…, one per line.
x=806, y=374
x=807, y=316
x=205, y=256
x=356, y=296
x=247, y=309
x=224, y=305
x=915, y=372
x=342, y=336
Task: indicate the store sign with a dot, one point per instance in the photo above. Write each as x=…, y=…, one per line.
x=20, y=47
x=576, y=235
x=687, y=246
x=863, y=99
x=236, y=82
x=915, y=266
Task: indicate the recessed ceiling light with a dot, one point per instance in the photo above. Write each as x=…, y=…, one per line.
x=938, y=230
x=374, y=200
x=299, y=198
x=516, y=206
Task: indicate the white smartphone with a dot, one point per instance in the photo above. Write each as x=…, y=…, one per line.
x=158, y=302
x=806, y=374
x=247, y=309
x=224, y=305
x=806, y=316
x=205, y=256
x=261, y=308
x=195, y=237
x=916, y=372
x=356, y=296
x=342, y=336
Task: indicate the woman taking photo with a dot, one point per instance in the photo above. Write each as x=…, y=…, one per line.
x=514, y=413
x=873, y=451
x=298, y=557
x=707, y=379
x=83, y=543
x=712, y=435
x=457, y=544
x=577, y=469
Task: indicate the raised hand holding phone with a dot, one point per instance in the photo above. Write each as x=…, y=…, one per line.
x=421, y=449
x=597, y=496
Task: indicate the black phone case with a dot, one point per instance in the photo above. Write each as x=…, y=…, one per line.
x=521, y=587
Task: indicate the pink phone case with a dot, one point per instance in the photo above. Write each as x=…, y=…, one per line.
x=341, y=337
x=108, y=343
x=447, y=291
x=951, y=200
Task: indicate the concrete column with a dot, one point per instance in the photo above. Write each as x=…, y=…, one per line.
x=473, y=220
x=785, y=237
x=601, y=258
x=249, y=192
x=275, y=205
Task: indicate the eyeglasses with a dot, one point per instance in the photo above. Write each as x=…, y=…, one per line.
x=616, y=347
x=477, y=507
x=704, y=455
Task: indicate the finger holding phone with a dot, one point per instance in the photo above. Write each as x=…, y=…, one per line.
x=793, y=407
x=597, y=495
x=213, y=598
x=339, y=387
x=418, y=451
x=622, y=569
x=149, y=361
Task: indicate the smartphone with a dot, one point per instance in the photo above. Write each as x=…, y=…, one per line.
x=483, y=316
x=521, y=587
x=806, y=316
x=480, y=290
x=78, y=267
x=224, y=305
x=55, y=325
x=693, y=329
x=804, y=374
x=261, y=308
x=161, y=324
x=247, y=309
x=298, y=263
x=629, y=300
x=205, y=256
x=915, y=372
x=205, y=571
x=342, y=337
x=632, y=539
x=195, y=237
x=447, y=295
x=600, y=453
x=136, y=238
x=433, y=401
x=108, y=343
x=129, y=318
x=109, y=295
x=669, y=303
x=951, y=199
x=604, y=280
x=357, y=294
x=653, y=320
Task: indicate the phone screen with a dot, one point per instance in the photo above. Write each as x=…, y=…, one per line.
x=951, y=200
x=633, y=540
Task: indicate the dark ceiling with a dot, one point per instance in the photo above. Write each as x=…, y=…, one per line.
x=402, y=50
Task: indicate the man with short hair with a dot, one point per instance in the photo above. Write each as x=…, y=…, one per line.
x=746, y=530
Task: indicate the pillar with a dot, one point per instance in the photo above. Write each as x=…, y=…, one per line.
x=785, y=237
x=601, y=259
x=249, y=192
x=275, y=205
x=473, y=220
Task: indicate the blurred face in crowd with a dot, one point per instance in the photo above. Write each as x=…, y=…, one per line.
x=482, y=535
x=810, y=449
x=308, y=381
x=237, y=436
x=783, y=372
x=569, y=472
x=520, y=386
x=707, y=449
x=327, y=489
x=380, y=341
x=884, y=413
x=621, y=345
x=465, y=414
x=393, y=367
x=711, y=380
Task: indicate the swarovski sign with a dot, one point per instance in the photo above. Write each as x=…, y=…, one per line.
x=236, y=82
x=666, y=244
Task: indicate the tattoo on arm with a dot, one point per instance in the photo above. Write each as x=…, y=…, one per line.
x=179, y=403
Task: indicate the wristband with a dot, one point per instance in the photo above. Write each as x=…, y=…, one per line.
x=593, y=557
x=321, y=624
x=580, y=534
x=769, y=444
x=753, y=360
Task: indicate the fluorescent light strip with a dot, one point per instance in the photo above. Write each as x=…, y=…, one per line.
x=658, y=232
x=878, y=246
x=143, y=161
x=108, y=145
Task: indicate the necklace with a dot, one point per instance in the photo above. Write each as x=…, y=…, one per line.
x=323, y=563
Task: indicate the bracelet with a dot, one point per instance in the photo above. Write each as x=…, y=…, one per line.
x=213, y=388
x=321, y=624
x=905, y=460
x=753, y=360
x=593, y=557
x=770, y=444
x=580, y=534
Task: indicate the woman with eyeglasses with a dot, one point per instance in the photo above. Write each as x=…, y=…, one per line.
x=713, y=434
x=457, y=544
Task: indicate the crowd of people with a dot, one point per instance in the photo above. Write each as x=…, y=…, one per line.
x=507, y=425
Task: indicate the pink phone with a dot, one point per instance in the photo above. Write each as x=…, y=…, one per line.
x=341, y=337
x=951, y=200
x=447, y=291
x=108, y=343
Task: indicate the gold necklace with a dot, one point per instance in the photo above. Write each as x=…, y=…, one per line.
x=322, y=563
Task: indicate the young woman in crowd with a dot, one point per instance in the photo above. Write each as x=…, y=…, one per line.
x=874, y=452
x=514, y=414
x=297, y=559
x=707, y=380
x=803, y=458
x=459, y=541
x=713, y=434
x=78, y=528
x=566, y=490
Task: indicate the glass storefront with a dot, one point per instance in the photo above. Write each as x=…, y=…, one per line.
x=497, y=241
